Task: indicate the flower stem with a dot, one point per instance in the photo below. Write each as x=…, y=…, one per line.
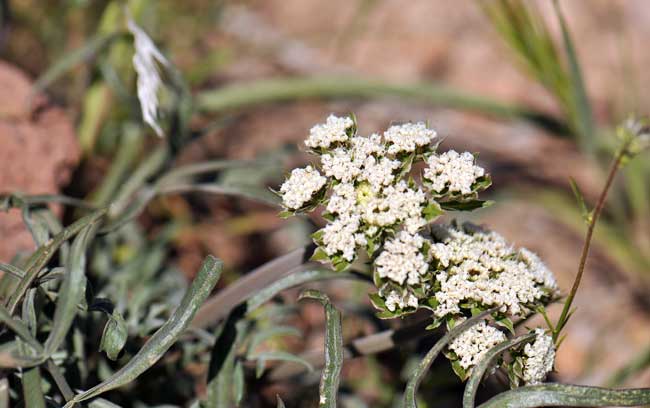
x=616, y=165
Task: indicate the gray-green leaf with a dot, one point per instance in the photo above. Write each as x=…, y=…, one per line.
x=114, y=335
x=330, y=378
x=166, y=336
x=565, y=395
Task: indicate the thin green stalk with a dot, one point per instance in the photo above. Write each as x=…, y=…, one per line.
x=564, y=316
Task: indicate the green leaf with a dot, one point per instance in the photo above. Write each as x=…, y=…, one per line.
x=44, y=253
x=330, y=378
x=432, y=211
x=419, y=372
x=114, y=335
x=479, y=370
x=102, y=403
x=507, y=323
x=20, y=329
x=580, y=102
x=320, y=255
x=465, y=205
x=252, y=192
x=275, y=355
x=72, y=291
x=221, y=371
x=59, y=380
x=14, y=271
x=32, y=391
x=250, y=94
x=239, y=383
x=164, y=337
x=565, y=395
x=69, y=61
x=586, y=214
x=459, y=370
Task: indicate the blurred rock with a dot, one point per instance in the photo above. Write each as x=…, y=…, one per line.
x=38, y=152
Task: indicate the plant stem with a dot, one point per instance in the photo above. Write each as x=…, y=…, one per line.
x=590, y=232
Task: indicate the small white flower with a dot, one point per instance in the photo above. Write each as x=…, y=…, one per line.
x=401, y=260
x=343, y=199
x=340, y=165
x=379, y=172
x=395, y=300
x=408, y=137
x=453, y=171
x=149, y=82
x=539, y=358
x=538, y=269
x=472, y=344
x=362, y=147
x=301, y=186
x=332, y=131
x=340, y=236
x=396, y=203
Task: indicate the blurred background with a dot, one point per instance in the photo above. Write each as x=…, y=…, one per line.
x=538, y=100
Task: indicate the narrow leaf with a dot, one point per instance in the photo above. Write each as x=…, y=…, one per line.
x=246, y=95
x=221, y=371
x=330, y=378
x=465, y=205
x=20, y=329
x=167, y=335
x=565, y=395
x=581, y=103
x=275, y=355
x=32, y=391
x=72, y=291
x=586, y=214
x=12, y=270
x=44, y=253
x=88, y=51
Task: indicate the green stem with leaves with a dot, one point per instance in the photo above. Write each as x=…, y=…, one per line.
x=566, y=311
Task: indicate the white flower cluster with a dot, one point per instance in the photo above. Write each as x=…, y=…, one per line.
x=301, y=186
x=332, y=131
x=539, y=358
x=396, y=300
x=482, y=267
x=394, y=204
x=372, y=204
x=369, y=192
x=472, y=344
x=453, y=172
x=408, y=137
x=402, y=259
x=144, y=61
x=341, y=236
